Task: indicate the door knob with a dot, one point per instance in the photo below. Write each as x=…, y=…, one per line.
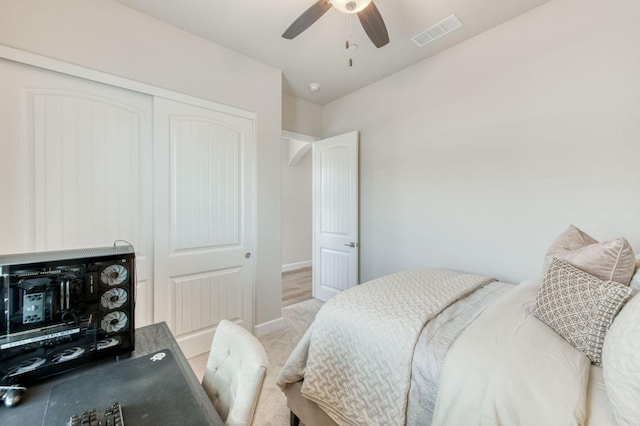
x=247, y=255
x=351, y=244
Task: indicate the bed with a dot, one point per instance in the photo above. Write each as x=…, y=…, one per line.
x=441, y=347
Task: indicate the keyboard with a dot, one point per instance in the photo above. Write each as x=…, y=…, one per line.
x=110, y=416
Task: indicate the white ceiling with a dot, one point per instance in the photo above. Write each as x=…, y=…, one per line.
x=318, y=55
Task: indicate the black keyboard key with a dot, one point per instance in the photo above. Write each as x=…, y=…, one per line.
x=110, y=416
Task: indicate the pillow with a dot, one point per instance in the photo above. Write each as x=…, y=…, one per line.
x=572, y=238
x=621, y=364
x=635, y=279
x=579, y=306
x=610, y=260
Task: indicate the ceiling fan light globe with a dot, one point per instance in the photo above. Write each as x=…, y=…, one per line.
x=350, y=6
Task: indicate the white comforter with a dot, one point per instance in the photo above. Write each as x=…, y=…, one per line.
x=509, y=368
x=433, y=344
x=356, y=358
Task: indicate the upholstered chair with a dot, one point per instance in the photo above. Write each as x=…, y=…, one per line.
x=235, y=371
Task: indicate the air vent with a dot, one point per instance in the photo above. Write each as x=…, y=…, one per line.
x=442, y=28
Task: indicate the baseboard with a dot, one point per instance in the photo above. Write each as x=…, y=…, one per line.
x=295, y=266
x=196, y=343
x=268, y=327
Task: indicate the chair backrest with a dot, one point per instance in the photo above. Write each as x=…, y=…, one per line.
x=235, y=371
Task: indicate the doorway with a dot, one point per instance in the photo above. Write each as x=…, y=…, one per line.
x=297, y=207
x=319, y=215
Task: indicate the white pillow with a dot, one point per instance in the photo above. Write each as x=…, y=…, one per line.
x=635, y=279
x=621, y=364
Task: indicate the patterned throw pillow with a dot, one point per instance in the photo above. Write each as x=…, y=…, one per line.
x=579, y=306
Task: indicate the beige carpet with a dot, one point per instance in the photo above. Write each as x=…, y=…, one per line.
x=272, y=407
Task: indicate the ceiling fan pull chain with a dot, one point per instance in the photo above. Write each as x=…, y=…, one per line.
x=348, y=44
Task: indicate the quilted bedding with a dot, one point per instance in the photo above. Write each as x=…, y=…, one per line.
x=356, y=358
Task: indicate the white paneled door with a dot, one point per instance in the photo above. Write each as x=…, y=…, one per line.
x=335, y=215
x=76, y=168
x=204, y=217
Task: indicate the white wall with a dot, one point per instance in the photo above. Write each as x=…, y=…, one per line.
x=496, y=145
x=296, y=211
x=299, y=116
x=110, y=37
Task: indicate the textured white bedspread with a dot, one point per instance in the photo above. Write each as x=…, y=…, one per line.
x=356, y=358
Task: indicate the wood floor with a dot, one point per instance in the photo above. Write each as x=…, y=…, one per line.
x=296, y=286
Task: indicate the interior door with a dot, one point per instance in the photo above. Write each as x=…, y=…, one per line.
x=76, y=168
x=204, y=215
x=335, y=215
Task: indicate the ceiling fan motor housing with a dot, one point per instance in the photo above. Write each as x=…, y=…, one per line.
x=350, y=6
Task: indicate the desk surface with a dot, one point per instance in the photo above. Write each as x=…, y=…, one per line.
x=149, y=339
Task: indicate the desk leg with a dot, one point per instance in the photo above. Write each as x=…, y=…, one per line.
x=293, y=419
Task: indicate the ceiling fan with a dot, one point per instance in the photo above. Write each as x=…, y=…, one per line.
x=367, y=11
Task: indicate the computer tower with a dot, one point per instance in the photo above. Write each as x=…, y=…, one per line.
x=64, y=309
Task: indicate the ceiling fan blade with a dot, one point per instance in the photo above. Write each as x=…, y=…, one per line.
x=305, y=20
x=373, y=25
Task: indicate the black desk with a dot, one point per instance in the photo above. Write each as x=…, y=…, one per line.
x=149, y=339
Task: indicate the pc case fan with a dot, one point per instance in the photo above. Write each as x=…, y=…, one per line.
x=68, y=355
x=114, y=322
x=113, y=298
x=114, y=274
x=105, y=344
x=25, y=366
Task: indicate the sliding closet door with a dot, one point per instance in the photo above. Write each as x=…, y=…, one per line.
x=204, y=216
x=75, y=167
